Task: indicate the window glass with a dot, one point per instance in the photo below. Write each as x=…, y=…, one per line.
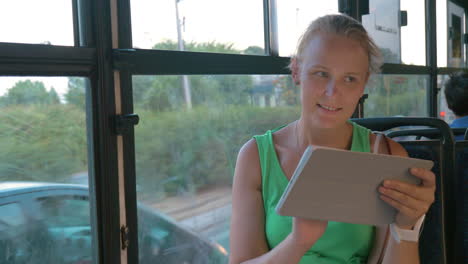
x=382, y=23
x=11, y=216
x=293, y=18
x=64, y=211
x=220, y=26
x=451, y=26
x=43, y=129
x=397, y=95
x=413, y=35
x=399, y=43
x=456, y=21
x=67, y=219
x=444, y=112
x=13, y=231
x=441, y=9
x=185, y=157
x=37, y=22
x=43, y=147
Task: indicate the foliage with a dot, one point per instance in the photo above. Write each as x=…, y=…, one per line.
x=158, y=93
x=175, y=150
x=53, y=96
x=211, y=46
x=165, y=93
x=254, y=50
x=290, y=94
x=391, y=95
x=29, y=93
x=389, y=56
x=41, y=142
x=187, y=150
x=76, y=94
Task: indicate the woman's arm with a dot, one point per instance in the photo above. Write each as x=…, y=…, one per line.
x=247, y=237
x=411, y=201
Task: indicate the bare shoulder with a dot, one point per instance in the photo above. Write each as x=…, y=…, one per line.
x=248, y=169
x=247, y=235
x=396, y=148
x=249, y=149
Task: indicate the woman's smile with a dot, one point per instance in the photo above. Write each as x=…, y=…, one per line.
x=328, y=108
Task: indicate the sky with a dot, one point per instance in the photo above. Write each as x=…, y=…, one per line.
x=238, y=22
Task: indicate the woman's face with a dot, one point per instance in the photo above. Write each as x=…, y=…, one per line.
x=332, y=74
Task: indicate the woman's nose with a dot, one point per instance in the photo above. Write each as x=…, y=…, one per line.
x=331, y=88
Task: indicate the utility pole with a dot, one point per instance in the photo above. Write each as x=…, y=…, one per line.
x=185, y=81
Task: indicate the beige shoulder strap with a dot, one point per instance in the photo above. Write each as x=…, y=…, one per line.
x=377, y=143
x=381, y=232
x=376, y=253
x=379, y=136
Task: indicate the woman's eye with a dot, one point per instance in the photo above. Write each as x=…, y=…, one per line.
x=321, y=74
x=350, y=79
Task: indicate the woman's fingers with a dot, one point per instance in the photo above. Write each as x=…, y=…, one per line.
x=411, y=201
x=403, y=201
x=400, y=197
x=427, y=176
x=407, y=211
x=421, y=193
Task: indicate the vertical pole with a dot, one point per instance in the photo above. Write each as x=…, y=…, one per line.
x=274, y=45
x=185, y=81
x=266, y=26
x=431, y=56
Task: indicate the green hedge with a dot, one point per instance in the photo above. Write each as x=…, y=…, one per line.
x=187, y=150
x=176, y=151
x=42, y=142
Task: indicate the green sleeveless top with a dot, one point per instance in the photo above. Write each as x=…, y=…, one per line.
x=341, y=242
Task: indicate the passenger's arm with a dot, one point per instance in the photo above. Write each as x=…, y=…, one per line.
x=247, y=237
x=412, y=201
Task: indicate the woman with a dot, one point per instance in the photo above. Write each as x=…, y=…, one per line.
x=332, y=64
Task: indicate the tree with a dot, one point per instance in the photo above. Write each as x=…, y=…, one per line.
x=53, y=95
x=396, y=95
x=211, y=46
x=140, y=85
x=157, y=96
x=42, y=142
x=389, y=56
x=234, y=89
x=290, y=93
x=254, y=50
x=29, y=93
x=76, y=94
x=162, y=93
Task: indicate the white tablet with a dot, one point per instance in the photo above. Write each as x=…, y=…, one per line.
x=342, y=186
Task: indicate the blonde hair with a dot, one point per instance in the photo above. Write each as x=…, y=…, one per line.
x=341, y=25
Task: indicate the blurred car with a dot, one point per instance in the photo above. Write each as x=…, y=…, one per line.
x=50, y=223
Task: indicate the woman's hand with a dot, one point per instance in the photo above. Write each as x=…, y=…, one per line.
x=411, y=201
x=306, y=232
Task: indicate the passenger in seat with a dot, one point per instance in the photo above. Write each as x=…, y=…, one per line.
x=456, y=94
x=333, y=62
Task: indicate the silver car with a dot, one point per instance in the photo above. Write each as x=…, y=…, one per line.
x=50, y=223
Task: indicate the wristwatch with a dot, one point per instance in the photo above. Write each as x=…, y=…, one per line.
x=407, y=235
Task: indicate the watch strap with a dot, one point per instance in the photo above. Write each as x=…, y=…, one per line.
x=400, y=234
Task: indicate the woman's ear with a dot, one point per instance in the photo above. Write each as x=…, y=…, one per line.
x=295, y=71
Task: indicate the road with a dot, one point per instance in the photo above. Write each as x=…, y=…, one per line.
x=207, y=213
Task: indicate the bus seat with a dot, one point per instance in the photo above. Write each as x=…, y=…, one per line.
x=431, y=241
x=461, y=180
x=436, y=244
x=461, y=172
